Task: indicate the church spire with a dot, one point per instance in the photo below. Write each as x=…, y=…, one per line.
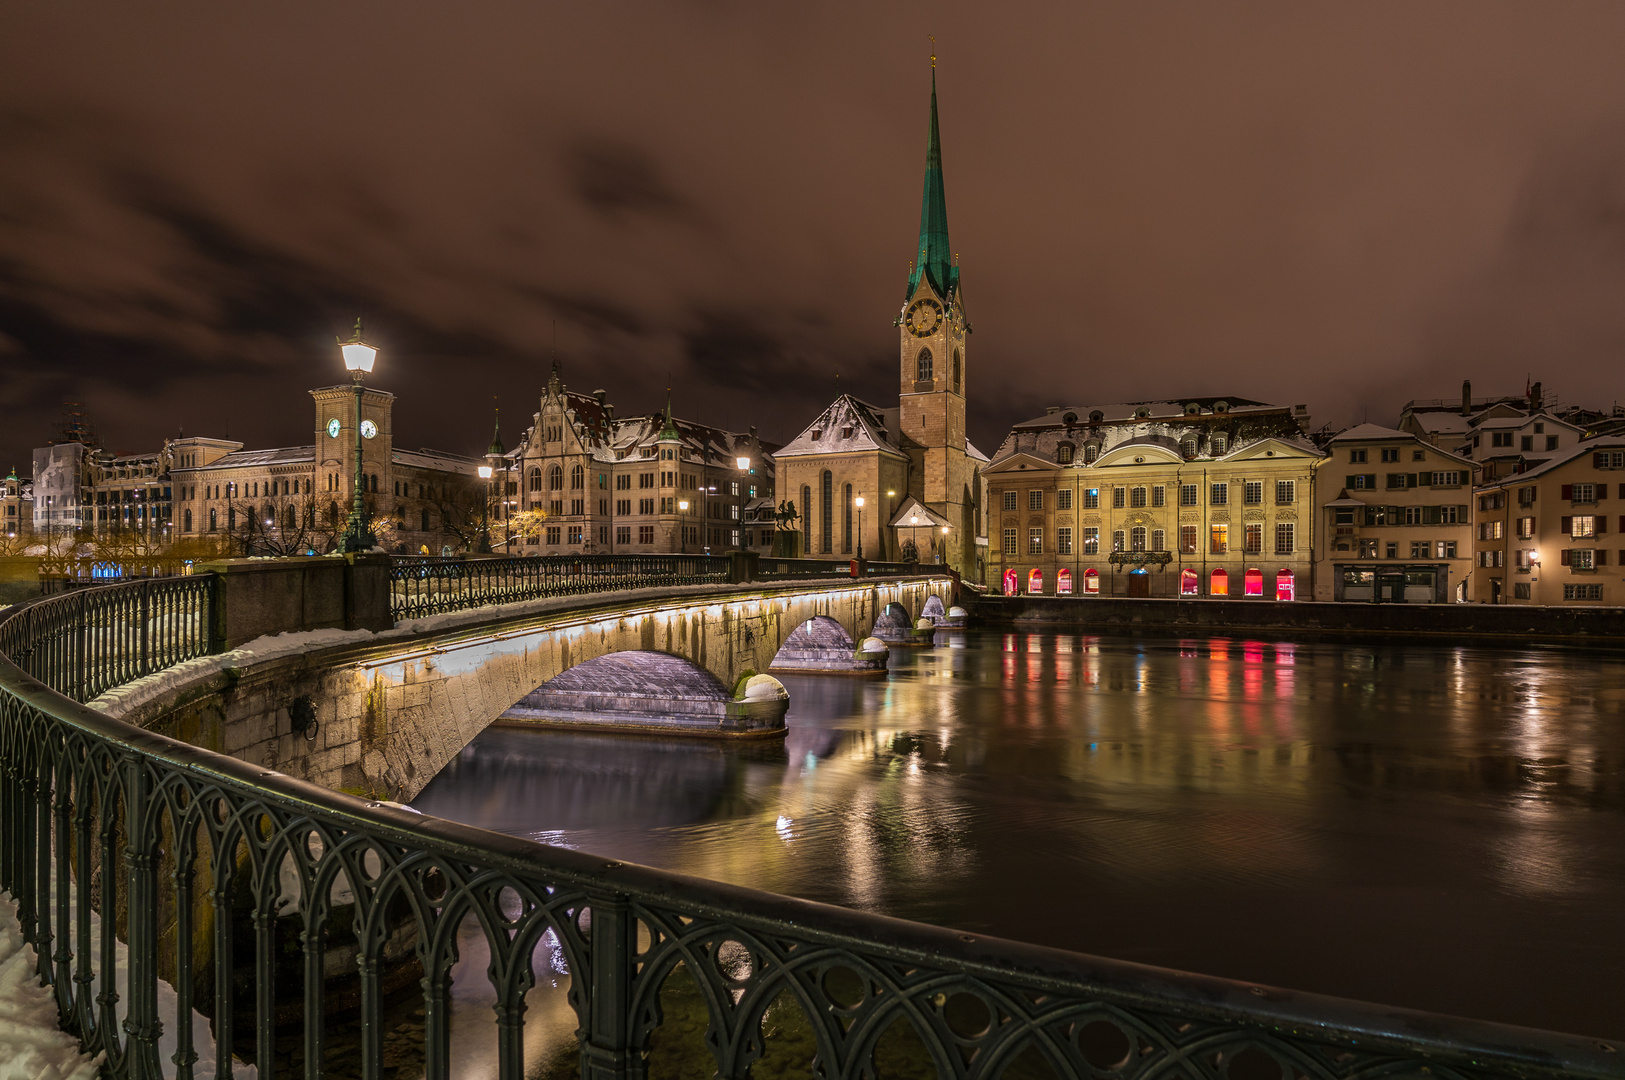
x=935, y=262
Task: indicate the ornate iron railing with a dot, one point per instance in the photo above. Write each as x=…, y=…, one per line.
x=187, y=853
x=773, y=568
x=429, y=586
x=87, y=641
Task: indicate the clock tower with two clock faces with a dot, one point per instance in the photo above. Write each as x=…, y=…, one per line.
x=335, y=438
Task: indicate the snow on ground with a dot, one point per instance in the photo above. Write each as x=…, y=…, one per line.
x=32, y=1046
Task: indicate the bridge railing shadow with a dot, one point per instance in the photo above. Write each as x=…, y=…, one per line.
x=279, y=908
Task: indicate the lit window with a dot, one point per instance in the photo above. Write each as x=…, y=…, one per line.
x=1252, y=582
x=1219, y=540
x=1091, y=541
x=1117, y=540
x=1035, y=500
x=1285, y=538
x=1035, y=541
x=1285, y=585
x=1091, y=498
x=1219, y=584
x=1187, y=540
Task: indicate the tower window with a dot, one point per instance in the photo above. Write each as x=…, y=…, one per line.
x=922, y=366
x=957, y=373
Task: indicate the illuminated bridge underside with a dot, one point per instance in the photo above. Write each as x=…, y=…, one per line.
x=642, y=690
x=394, y=708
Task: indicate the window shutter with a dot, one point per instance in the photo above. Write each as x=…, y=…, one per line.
x=1464, y=514
x=1430, y=515
x=1602, y=492
x=1602, y=524
x=1566, y=492
x=1410, y=480
x=1371, y=480
x=1565, y=525
x=1348, y=483
x=1602, y=556
x=1563, y=557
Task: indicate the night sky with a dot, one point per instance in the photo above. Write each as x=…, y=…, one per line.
x=1346, y=206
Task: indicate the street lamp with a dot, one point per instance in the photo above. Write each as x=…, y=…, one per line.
x=682, y=530
x=914, y=534
x=484, y=547
x=943, y=554
x=859, y=501
x=358, y=358
x=744, y=495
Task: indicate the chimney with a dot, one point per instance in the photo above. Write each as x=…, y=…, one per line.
x=1536, y=399
x=600, y=395
x=1466, y=398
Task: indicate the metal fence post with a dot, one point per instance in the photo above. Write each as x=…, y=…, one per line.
x=606, y=1050
x=141, y=868
x=144, y=661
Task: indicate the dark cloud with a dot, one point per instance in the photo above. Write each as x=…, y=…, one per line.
x=1343, y=207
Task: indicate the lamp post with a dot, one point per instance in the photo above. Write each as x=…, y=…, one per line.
x=682, y=530
x=942, y=555
x=358, y=357
x=484, y=547
x=859, y=501
x=914, y=534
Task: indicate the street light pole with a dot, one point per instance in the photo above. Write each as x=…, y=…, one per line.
x=859, y=501
x=682, y=530
x=358, y=357
x=484, y=547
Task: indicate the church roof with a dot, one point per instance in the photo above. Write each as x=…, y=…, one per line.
x=935, y=260
x=849, y=424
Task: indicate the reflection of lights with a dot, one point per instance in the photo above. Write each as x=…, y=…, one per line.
x=782, y=827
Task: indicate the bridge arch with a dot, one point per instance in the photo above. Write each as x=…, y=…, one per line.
x=822, y=645
x=642, y=689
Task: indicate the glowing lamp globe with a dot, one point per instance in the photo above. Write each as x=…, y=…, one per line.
x=485, y=472
x=358, y=355
x=859, y=501
x=682, y=506
x=743, y=463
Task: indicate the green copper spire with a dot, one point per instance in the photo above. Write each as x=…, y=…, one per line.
x=668, y=431
x=935, y=261
x=496, y=448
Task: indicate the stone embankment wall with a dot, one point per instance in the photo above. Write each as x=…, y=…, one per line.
x=1454, y=621
x=394, y=706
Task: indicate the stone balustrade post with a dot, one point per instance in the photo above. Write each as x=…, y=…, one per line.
x=275, y=596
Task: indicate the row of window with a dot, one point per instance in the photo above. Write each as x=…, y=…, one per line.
x=1406, y=481
x=1420, y=549
x=1190, y=582
x=1141, y=538
x=1286, y=493
x=1390, y=454
x=1401, y=515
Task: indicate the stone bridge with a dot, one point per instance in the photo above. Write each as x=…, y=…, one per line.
x=393, y=707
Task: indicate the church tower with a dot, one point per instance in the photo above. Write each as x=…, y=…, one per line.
x=933, y=333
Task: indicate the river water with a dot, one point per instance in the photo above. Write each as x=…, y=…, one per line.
x=1425, y=825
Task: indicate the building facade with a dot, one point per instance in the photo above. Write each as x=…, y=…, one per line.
x=283, y=501
x=1555, y=535
x=865, y=477
x=584, y=480
x=1199, y=497
x=1396, y=519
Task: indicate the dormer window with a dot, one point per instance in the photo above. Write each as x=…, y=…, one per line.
x=1063, y=453
x=1187, y=449
x=1097, y=417
x=1069, y=418
x=1142, y=412
x=1193, y=409
x=1220, y=445
x=818, y=433
x=1090, y=452
x=846, y=432
x=1221, y=406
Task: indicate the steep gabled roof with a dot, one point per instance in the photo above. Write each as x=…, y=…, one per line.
x=849, y=424
x=935, y=260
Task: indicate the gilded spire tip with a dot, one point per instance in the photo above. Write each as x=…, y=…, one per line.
x=933, y=38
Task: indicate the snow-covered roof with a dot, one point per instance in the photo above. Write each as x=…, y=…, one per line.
x=849, y=424
x=1121, y=411
x=1581, y=449
x=1363, y=432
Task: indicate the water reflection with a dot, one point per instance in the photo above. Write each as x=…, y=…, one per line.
x=1422, y=825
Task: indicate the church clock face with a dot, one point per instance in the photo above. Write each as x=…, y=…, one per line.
x=333, y=427
x=368, y=429
x=923, y=317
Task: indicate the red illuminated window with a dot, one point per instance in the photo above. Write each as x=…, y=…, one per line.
x=1284, y=585
x=1012, y=582
x=1220, y=584
x=1091, y=581
x=1190, y=582
x=1035, y=581
x=1253, y=582
x=1063, y=582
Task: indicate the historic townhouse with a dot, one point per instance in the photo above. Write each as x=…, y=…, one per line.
x=1396, y=519
x=1555, y=534
x=1504, y=435
x=1199, y=497
x=17, y=496
x=918, y=476
x=590, y=481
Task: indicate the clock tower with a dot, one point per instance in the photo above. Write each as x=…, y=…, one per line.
x=335, y=441
x=933, y=333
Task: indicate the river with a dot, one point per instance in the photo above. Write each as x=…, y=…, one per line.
x=1434, y=826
